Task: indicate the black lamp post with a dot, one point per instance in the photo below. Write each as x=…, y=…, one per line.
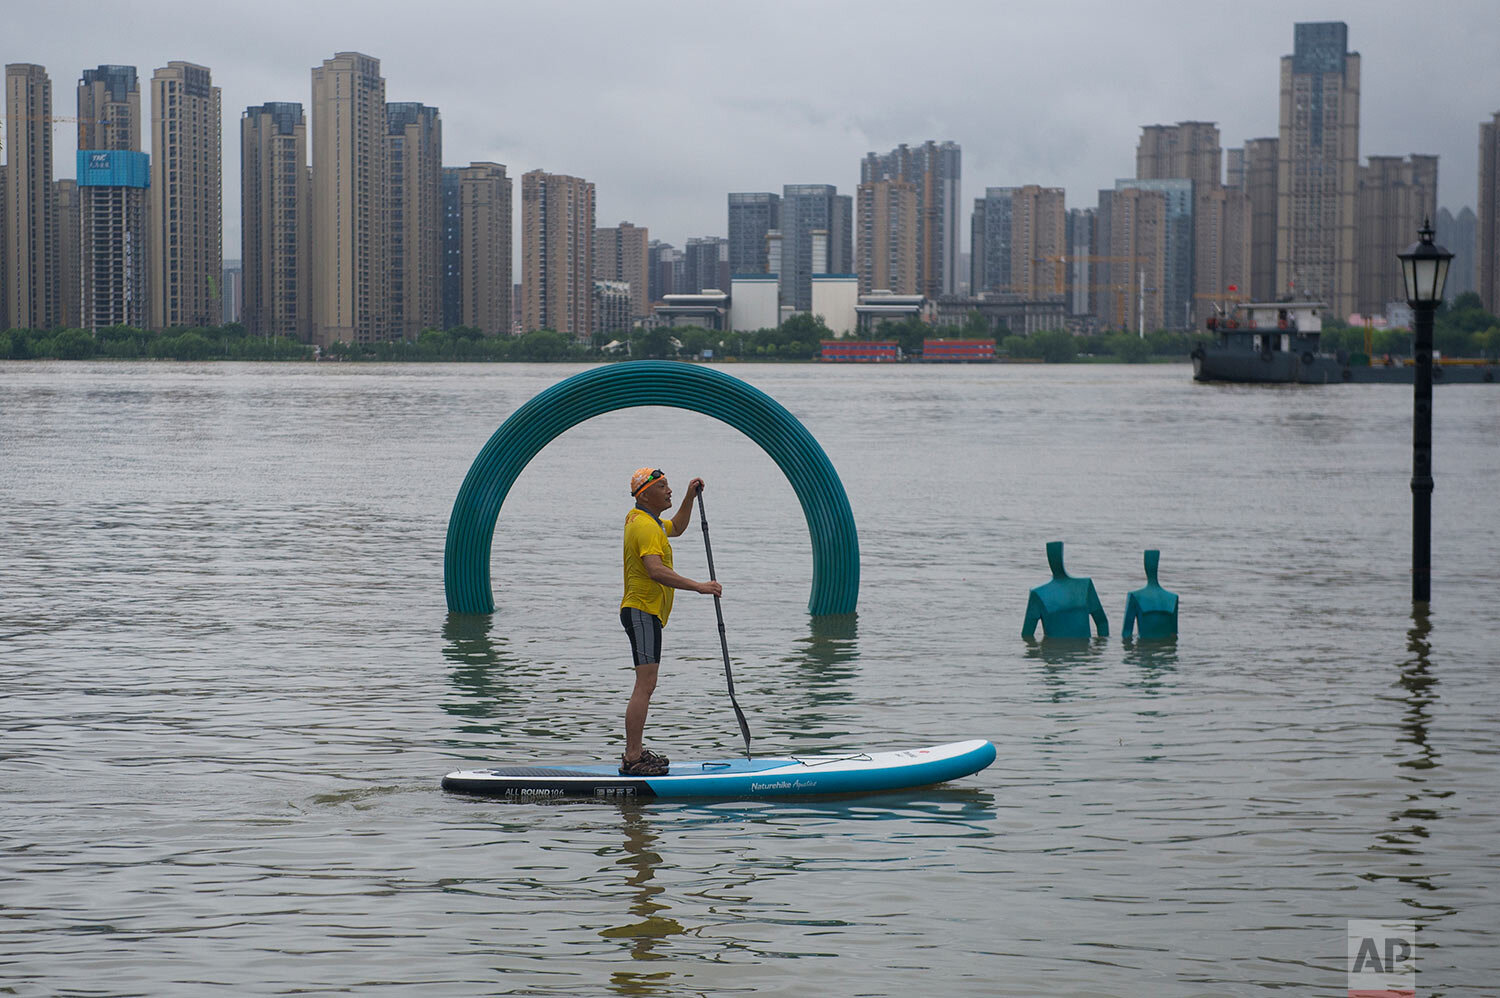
x=1425, y=267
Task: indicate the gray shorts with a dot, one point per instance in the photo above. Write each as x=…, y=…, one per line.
x=645, y=634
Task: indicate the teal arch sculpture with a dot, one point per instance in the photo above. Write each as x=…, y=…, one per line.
x=830, y=522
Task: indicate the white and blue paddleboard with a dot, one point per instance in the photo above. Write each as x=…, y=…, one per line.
x=854, y=772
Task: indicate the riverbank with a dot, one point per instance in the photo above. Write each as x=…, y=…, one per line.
x=794, y=342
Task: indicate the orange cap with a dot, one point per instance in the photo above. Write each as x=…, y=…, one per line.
x=642, y=478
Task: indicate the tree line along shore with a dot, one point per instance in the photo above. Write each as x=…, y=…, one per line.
x=1462, y=329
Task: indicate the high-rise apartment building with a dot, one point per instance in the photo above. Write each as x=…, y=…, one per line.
x=1019, y=241
x=621, y=253
x=1132, y=264
x=1458, y=233
x=1258, y=180
x=936, y=170
x=1218, y=256
x=233, y=291
x=185, y=231
x=989, y=242
x=668, y=270
x=705, y=265
x=1187, y=150
x=276, y=222
x=1169, y=300
x=32, y=292
x=349, y=193
x=1221, y=251
x=1079, y=239
x=69, y=238
x=414, y=220
x=612, y=307
x=885, y=227
x=113, y=263
x=484, y=196
x=752, y=217
x=557, y=255
x=1038, y=225
x=1317, y=179
x=453, y=248
x=1396, y=195
x=1107, y=304
x=113, y=195
x=109, y=109
x=813, y=216
x=1487, y=233
x=4, y=239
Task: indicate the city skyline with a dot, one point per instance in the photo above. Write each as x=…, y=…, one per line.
x=666, y=143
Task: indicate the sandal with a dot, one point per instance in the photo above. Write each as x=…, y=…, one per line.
x=643, y=766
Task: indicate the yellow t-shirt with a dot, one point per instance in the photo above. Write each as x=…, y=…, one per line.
x=643, y=537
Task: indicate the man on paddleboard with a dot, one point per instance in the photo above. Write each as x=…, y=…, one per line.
x=649, y=581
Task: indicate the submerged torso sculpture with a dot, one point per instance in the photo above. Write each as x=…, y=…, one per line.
x=1151, y=607
x=1064, y=605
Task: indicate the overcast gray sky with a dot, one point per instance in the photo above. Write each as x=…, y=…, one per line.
x=666, y=107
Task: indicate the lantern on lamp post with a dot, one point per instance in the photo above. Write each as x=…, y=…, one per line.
x=1424, y=265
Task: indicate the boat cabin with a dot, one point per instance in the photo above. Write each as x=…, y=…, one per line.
x=1270, y=327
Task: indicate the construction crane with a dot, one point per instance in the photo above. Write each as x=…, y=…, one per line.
x=55, y=119
x=1059, y=262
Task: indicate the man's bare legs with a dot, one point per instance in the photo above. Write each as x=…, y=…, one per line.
x=635, y=712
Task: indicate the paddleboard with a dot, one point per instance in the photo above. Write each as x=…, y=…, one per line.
x=850, y=772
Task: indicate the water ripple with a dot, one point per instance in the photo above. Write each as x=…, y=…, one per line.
x=229, y=687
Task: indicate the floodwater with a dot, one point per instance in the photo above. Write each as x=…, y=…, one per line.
x=229, y=688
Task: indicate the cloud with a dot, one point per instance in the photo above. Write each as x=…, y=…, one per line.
x=668, y=107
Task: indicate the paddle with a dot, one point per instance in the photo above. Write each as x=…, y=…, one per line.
x=723, y=641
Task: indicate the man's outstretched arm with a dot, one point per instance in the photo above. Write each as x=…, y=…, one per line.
x=665, y=576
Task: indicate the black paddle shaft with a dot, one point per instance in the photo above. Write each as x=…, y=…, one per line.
x=723, y=639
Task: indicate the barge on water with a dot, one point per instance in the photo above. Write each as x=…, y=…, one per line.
x=1278, y=343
